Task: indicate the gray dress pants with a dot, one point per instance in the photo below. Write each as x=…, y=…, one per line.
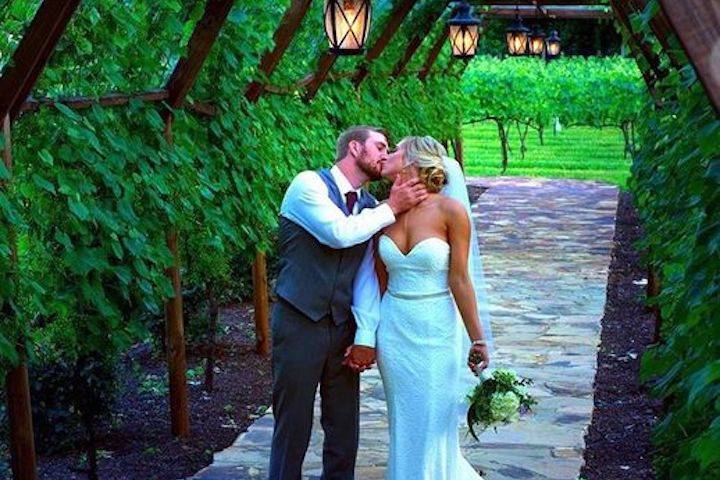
x=306, y=354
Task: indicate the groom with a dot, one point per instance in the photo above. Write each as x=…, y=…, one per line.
x=327, y=221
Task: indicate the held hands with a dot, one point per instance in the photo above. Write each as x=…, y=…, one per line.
x=478, y=358
x=406, y=194
x=359, y=358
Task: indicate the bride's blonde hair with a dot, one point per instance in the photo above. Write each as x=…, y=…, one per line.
x=427, y=153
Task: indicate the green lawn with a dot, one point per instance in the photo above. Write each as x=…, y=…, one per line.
x=579, y=152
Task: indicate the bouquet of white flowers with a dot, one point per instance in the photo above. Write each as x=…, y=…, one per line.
x=500, y=398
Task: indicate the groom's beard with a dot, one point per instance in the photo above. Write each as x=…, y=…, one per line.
x=373, y=171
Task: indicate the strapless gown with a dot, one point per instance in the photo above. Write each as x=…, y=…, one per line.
x=418, y=360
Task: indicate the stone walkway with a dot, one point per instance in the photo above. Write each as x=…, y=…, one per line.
x=546, y=249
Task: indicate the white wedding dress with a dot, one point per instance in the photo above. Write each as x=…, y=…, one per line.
x=417, y=355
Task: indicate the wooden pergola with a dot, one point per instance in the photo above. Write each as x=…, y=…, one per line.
x=695, y=23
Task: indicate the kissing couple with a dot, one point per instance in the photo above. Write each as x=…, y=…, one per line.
x=363, y=281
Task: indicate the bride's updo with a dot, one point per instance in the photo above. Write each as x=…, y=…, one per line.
x=427, y=153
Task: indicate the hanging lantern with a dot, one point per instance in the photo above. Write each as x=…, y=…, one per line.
x=537, y=41
x=517, y=36
x=554, y=46
x=347, y=23
x=464, y=32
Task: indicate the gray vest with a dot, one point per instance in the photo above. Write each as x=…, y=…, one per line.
x=314, y=278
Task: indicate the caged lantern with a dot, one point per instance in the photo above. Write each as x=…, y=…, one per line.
x=536, y=43
x=554, y=45
x=517, y=35
x=347, y=23
x=464, y=32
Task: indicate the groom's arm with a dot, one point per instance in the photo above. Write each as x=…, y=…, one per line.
x=307, y=203
x=366, y=300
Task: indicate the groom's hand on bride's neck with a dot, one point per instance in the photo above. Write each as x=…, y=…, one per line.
x=406, y=194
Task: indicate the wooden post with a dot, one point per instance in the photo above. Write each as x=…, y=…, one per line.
x=17, y=384
x=22, y=441
x=260, y=300
x=175, y=332
x=270, y=60
x=178, y=85
x=17, y=80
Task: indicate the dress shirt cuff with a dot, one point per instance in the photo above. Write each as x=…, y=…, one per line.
x=386, y=214
x=365, y=337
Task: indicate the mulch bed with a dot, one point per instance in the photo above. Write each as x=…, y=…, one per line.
x=618, y=440
x=140, y=445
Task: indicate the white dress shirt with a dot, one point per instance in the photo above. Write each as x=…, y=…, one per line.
x=307, y=203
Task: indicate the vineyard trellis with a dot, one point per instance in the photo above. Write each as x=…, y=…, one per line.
x=643, y=22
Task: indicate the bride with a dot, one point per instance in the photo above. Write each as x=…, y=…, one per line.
x=424, y=263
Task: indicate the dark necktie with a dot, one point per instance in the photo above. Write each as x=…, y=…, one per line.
x=351, y=199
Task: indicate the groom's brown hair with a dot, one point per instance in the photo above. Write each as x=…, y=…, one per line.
x=358, y=133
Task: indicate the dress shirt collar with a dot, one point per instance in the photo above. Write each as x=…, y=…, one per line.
x=342, y=182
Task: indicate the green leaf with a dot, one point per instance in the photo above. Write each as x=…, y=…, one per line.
x=78, y=208
x=68, y=112
x=46, y=157
x=43, y=183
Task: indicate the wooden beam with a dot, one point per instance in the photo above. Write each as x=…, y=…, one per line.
x=543, y=3
x=622, y=11
x=697, y=25
x=325, y=63
x=283, y=36
x=417, y=39
x=559, y=13
x=433, y=54
x=643, y=66
x=203, y=37
x=77, y=103
x=113, y=100
x=397, y=16
x=32, y=53
x=662, y=31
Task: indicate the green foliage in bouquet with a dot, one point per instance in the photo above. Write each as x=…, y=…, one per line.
x=498, y=399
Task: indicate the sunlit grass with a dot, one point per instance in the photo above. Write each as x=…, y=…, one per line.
x=580, y=152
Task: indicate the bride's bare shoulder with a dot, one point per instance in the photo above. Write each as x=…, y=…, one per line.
x=453, y=209
x=450, y=204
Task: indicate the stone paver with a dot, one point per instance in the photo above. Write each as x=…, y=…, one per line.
x=546, y=249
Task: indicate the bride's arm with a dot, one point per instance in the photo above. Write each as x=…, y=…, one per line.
x=458, y=225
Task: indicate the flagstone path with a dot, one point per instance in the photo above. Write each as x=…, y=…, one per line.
x=546, y=250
